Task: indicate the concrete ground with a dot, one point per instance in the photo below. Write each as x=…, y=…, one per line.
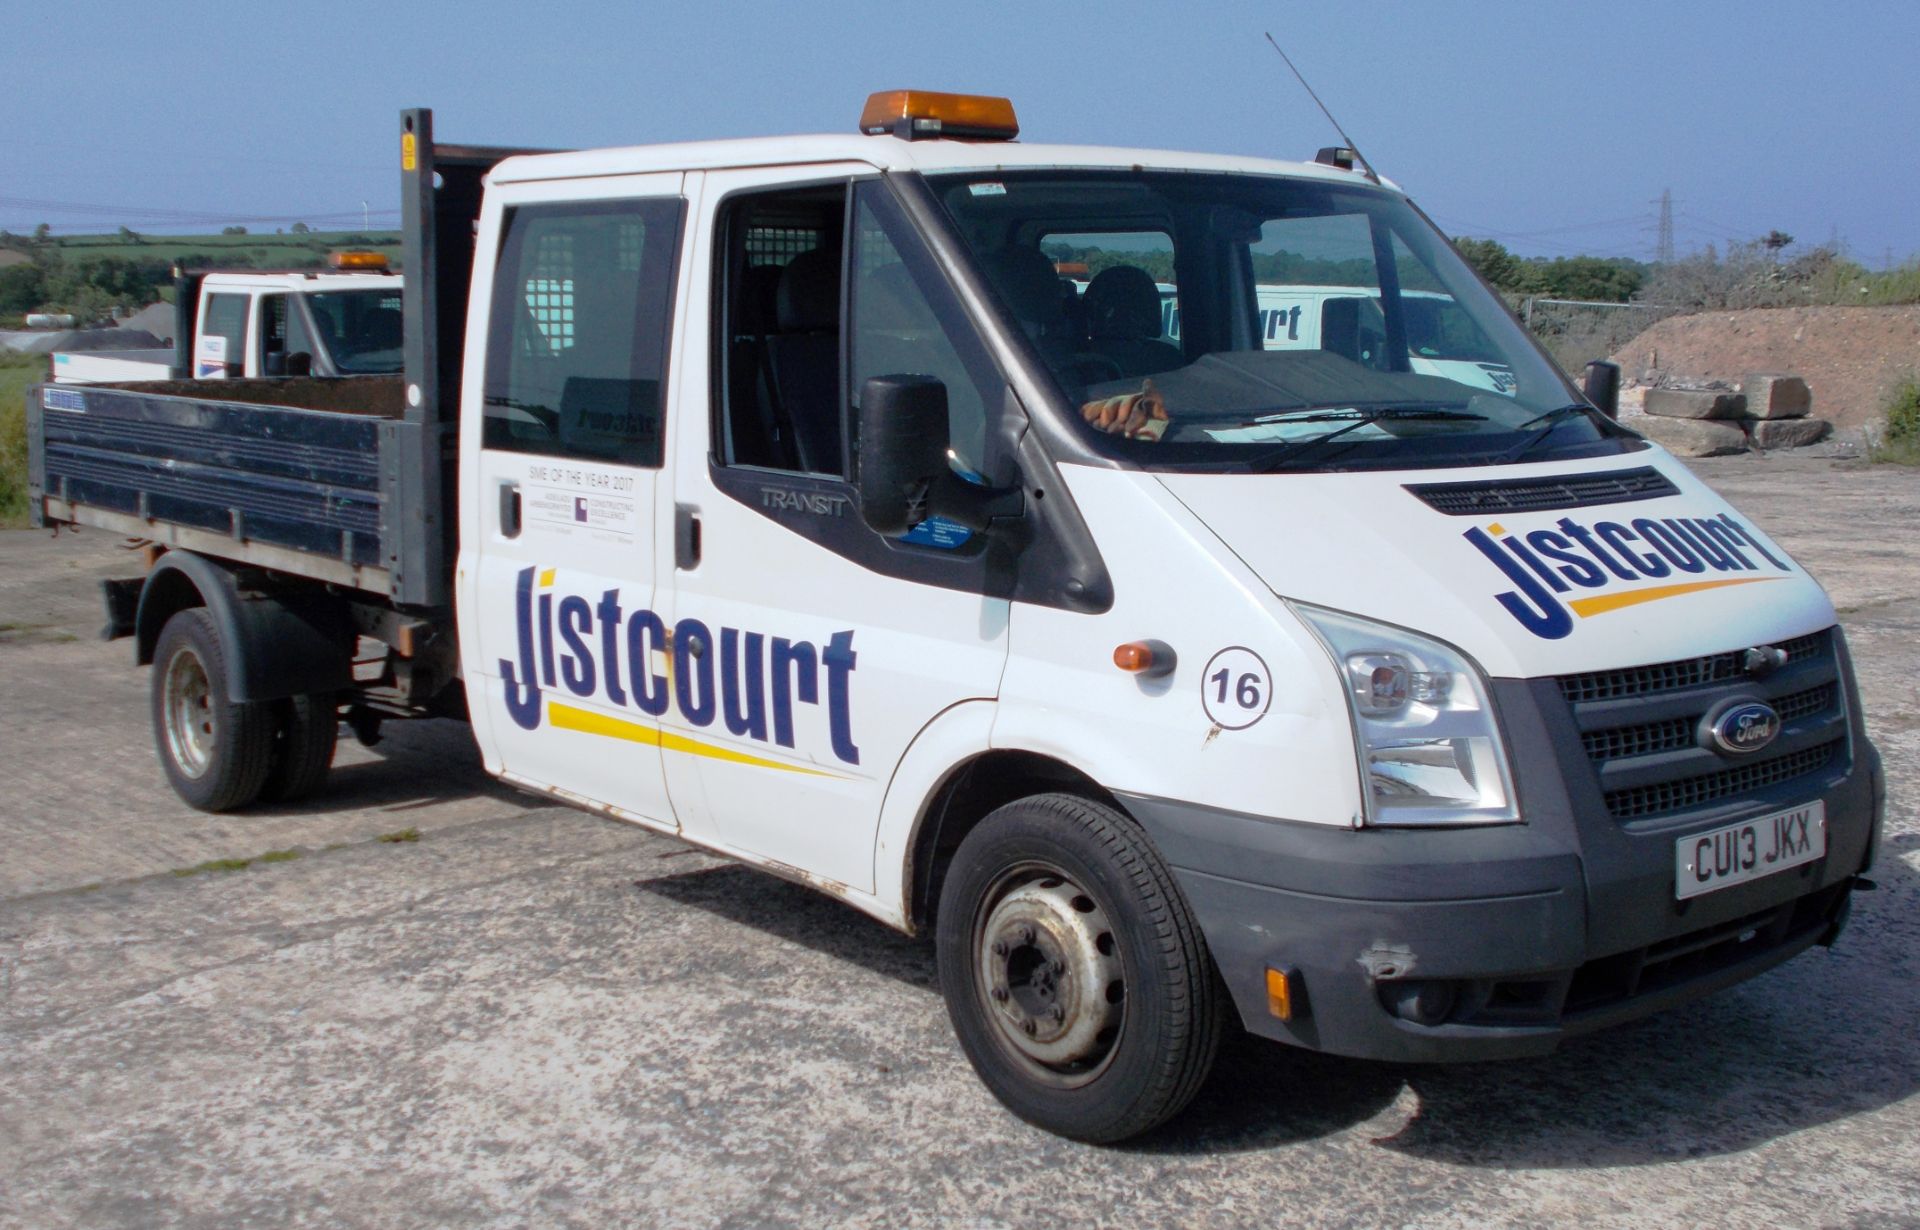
x=530, y=1016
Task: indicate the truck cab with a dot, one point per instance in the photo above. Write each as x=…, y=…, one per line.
x=341, y=323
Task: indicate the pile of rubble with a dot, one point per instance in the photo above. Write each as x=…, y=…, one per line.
x=1765, y=411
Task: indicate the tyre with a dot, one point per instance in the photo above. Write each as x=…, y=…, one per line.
x=305, y=731
x=1076, y=977
x=215, y=751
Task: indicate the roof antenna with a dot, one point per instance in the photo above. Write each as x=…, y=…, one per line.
x=1329, y=155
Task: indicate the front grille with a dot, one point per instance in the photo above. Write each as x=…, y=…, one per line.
x=1672, y=734
x=1673, y=676
x=1639, y=730
x=1644, y=740
x=1691, y=792
x=1807, y=703
x=1478, y=499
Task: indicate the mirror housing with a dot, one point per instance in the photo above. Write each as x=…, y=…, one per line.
x=1602, y=387
x=903, y=475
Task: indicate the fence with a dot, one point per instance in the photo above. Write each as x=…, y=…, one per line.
x=1575, y=331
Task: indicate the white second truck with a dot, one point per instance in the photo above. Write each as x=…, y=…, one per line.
x=259, y=323
x=761, y=493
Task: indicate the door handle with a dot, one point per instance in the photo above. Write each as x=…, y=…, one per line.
x=510, y=509
x=686, y=537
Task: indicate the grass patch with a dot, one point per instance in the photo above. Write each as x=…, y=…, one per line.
x=1900, y=445
x=16, y=632
x=214, y=864
x=267, y=251
x=402, y=835
x=237, y=864
x=17, y=371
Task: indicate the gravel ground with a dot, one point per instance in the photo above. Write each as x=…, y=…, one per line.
x=529, y=1016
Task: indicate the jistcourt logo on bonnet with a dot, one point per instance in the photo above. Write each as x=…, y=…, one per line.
x=1617, y=560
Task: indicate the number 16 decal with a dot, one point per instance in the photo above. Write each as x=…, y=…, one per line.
x=1236, y=688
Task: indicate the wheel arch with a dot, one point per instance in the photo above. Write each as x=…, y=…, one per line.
x=970, y=792
x=280, y=644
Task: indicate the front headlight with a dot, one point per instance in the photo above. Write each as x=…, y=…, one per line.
x=1430, y=750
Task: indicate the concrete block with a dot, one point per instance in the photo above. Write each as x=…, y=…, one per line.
x=1695, y=403
x=1787, y=433
x=1693, y=437
x=1773, y=395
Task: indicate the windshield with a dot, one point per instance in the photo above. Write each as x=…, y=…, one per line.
x=1258, y=322
x=359, y=328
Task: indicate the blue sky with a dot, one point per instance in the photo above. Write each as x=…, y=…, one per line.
x=1553, y=127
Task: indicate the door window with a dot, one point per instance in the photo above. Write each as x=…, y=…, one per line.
x=285, y=347
x=792, y=376
x=226, y=319
x=899, y=330
x=783, y=406
x=582, y=310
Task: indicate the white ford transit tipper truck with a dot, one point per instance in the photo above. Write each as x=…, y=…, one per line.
x=256, y=323
x=766, y=493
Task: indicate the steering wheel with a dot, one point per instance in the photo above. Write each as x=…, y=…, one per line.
x=1091, y=368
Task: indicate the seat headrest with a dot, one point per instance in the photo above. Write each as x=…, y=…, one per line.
x=1123, y=302
x=759, y=287
x=808, y=300
x=1026, y=280
x=1340, y=327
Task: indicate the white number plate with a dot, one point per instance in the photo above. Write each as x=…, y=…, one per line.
x=1749, y=850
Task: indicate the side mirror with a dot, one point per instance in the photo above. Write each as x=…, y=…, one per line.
x=299, y=363
x=903, y=476
x=1602, y=387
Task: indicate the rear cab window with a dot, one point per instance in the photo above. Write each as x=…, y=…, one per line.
x=582, y=312
x=222, y=348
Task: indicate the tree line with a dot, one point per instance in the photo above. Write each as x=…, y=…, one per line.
x=1607, y=279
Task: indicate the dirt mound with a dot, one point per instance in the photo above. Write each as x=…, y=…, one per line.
x=1851, y=357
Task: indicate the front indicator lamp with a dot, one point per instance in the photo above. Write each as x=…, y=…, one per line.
x=1430, y=750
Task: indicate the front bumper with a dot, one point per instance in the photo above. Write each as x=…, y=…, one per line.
x=1500, y=941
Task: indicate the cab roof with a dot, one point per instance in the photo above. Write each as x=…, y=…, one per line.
x=888, y=153
x=299, y=279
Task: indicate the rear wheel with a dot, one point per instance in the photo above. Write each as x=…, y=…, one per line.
x=306, y=729
x=1075, y=975
x=215, y=751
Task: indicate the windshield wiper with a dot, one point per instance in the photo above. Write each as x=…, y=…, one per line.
x=1292, y=450
x=1549, y=423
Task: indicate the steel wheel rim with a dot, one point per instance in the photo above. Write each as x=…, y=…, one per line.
x=188, y=704
x=1048, y=975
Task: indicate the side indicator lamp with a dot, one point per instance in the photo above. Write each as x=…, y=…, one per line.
x=1148, y=659
x=1281, y=995
x=914, y=115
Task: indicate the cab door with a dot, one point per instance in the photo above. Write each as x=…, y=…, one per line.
x=808, y=651
x=566, y=388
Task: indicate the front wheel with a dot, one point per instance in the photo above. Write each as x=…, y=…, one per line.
x=216, y=751
x=1077, y=980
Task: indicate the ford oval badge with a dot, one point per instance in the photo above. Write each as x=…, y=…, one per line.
x=1744, y=728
